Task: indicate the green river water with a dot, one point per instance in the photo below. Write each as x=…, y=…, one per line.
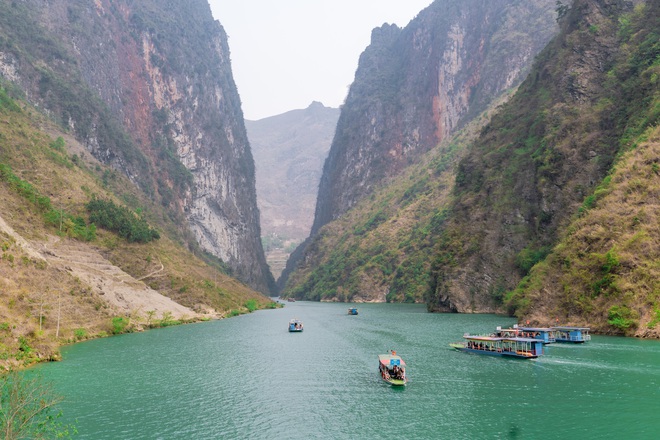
x=248, y=378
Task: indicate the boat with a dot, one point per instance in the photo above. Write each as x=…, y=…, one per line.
x=514, y=347
x=352, y=311
x=291, y=300
x=576, y=335
x=545, y=334
x=392, y=369
x=295, y=325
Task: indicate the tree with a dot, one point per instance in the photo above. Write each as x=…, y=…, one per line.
x=26, y=409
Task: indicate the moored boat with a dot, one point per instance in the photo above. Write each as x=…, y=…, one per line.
x=295, y=325
x=392, y=369
x=515, y=347
x=353, y=311
x=572, y=334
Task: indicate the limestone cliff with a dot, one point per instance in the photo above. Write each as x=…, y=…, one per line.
x=147, y=87
x=414, y=86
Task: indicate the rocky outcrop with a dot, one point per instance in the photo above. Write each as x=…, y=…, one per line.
x=147, y=87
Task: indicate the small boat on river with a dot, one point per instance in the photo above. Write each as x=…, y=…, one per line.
x=515, y=347
x=352, y=311
x=392, y=369
x=295, y=325
x=576, y=335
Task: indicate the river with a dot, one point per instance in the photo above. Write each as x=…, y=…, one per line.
x=248, y=378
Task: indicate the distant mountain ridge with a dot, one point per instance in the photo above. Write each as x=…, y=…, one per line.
x=289, y=151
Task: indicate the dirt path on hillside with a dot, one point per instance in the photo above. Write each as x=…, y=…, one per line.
x=119, y=289
x=115, y=286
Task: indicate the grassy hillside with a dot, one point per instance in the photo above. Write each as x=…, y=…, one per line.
x=605, y=271
x=46, y=181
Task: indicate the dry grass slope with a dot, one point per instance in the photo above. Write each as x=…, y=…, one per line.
x=606, y=270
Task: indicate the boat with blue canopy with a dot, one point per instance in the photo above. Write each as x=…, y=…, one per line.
x=576, y=335
x=515, y=347
x=295, y=325
x=546, y=334
x=353, y=311
x=392, y=369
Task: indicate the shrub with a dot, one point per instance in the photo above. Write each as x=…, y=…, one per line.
x=80, y=334
x=621, y=317
x=252, y=305
x=120, y=220
x=119, y=324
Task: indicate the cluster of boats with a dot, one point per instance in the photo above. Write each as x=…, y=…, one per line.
x=516, y=342
x=520, y=342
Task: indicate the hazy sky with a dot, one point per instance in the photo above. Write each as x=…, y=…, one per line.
x=287, y=53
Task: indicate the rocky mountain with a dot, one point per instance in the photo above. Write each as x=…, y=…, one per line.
x=289, y=150
x=543, y=207
x=416, y=86
x=147, y=88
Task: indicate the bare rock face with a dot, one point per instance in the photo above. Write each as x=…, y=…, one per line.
x=169, y=114
x=289, y=150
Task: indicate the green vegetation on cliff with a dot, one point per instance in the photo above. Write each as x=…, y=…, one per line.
x=606, y=262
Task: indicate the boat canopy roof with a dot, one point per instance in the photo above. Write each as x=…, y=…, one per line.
x=391, y=359
x=482, y=338
x=570, y=328
x=536, y=329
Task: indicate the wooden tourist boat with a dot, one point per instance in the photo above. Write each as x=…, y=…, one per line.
x=522, y=348
x=392, y=369
x=295, y=325
x=576, y=335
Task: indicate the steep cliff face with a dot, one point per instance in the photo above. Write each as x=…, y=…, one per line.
x=415, y=86
x=162, y=72
x=540, y=165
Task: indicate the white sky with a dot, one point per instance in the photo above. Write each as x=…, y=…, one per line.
x=287, y=53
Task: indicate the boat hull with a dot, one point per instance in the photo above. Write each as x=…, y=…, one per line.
x=396, y=382
x=506, y=354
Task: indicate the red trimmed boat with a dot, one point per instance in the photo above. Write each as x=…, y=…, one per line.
x=392, y=369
